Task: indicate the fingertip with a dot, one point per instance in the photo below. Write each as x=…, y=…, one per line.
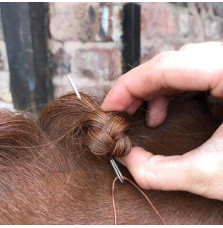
x=154, y=122
x=157, y=171
x=109, y=100
x=157, y=111
x=118, y=98
x=135, y=162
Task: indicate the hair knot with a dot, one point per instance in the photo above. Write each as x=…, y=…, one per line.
x=106, y=133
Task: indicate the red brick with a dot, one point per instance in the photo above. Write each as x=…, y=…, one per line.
x=157, y=20
x=97, y=64
x=85, y=21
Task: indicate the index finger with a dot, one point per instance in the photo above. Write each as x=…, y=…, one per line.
x=166, y=73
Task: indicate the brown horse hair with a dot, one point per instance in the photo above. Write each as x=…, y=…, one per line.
x=55, y=169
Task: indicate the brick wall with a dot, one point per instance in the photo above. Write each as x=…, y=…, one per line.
x=86, y=41
x=5, y=95
x=168, y=26
x=85, y=38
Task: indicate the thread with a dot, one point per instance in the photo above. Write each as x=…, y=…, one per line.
x=149, y=201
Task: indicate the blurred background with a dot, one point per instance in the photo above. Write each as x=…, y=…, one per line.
x=93, y=42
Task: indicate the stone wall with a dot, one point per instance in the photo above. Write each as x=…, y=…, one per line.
x=85, y=38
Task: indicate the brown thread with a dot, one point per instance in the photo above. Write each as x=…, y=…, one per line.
x=147, y=198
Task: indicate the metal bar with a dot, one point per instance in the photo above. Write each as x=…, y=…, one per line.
x=131, y=36
x=25, y=31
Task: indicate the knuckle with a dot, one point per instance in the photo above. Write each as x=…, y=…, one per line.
x=163, y=58
x=143, y=185
x=160, y=62
x=163, y=61
x=143, y=180
x=147, y=182
x=148, y=175
x=187, y=46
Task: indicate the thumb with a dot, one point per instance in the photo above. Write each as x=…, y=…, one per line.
x=157, y=171
x=199, y=171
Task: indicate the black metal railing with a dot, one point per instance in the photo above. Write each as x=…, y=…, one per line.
x=25, y=27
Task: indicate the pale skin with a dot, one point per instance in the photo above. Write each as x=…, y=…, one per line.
x=195, y=67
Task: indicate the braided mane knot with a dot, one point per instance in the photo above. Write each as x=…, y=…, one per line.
x=106, y=133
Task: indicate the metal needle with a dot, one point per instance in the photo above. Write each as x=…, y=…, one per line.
x=113, y=163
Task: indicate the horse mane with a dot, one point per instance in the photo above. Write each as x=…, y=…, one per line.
x=55, y=169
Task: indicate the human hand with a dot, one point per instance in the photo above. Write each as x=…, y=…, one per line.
x=195, y=67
